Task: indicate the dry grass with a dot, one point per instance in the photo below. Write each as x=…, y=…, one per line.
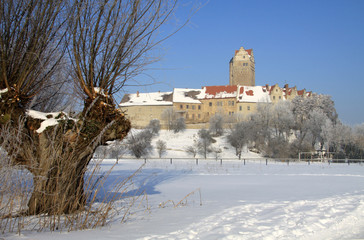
x=101, y=209
x=104, y=199
x=183, y=201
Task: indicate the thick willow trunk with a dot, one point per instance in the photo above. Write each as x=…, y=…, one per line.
x=58, y=157
x=57, y=193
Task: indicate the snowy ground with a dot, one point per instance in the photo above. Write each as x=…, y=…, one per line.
x=252, y=201
x=232, y=200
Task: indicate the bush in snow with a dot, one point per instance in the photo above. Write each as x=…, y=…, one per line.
x=161, y=147
x=139, y=144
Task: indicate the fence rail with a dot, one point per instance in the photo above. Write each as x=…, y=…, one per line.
x=246, y=160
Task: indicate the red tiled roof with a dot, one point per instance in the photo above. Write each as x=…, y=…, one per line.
x=213, y=90
x=300, y=92
x=241, y=90
x=249, y=51
x=250, y=93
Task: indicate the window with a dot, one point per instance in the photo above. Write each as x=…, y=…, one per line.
x=199, y=107
x=187, y=116
x=193, y=116
x=248, y=108
x=280, y=97
x=210, y=104
x=193, y=107
x=187, y=106
x=240, y=108
x=274, y=97
x=219, y=103
x=199, y=116
x=181, y=106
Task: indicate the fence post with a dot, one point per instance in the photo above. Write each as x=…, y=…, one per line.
x=196, y=161
x=221, y=161
x=145, y=160
x=287, y=161
x=308, y=161
x=348, y=162
x=171, y=160
x=266, y=161
x=244, y=161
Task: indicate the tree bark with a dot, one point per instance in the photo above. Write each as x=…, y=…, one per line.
x=58, y=157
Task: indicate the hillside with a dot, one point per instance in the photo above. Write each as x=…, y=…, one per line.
x=177, y=143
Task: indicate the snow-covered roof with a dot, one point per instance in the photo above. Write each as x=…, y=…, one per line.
x=253, y=94
x=187, y=95
x=152, y=99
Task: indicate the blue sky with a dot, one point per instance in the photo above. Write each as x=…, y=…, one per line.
x=317, y=45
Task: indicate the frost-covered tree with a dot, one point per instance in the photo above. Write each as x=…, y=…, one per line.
x=192, y=150
x=154, y=126
x=161, y=147
x=239, y=137
x=315, y=124
x=140, y=144
x=204, y=142
x=282, y=119
x=216, y=125
x=179, y=125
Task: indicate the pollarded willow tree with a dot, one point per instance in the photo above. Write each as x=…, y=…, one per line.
x=104, y=44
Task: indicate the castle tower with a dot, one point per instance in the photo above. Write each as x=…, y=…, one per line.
x=242, y=68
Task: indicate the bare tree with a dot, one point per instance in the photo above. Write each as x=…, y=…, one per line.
x=169, y=116
x=107, y=44
x=192, y=150
x=161, y=147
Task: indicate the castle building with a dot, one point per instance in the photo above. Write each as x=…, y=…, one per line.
x=242, y=68
x=235, y=101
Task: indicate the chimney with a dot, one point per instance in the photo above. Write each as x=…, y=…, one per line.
x=137, y=93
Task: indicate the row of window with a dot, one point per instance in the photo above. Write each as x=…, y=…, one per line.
x=193, y=107
x=220, y=103
x=241, y=108
x=230, y=103
x=193, y=116
x=274, y=97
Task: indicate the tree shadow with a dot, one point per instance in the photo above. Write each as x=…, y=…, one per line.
x=144, y=182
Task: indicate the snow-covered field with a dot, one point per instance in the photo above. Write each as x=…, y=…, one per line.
x=234, y=201
x=237, y=201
